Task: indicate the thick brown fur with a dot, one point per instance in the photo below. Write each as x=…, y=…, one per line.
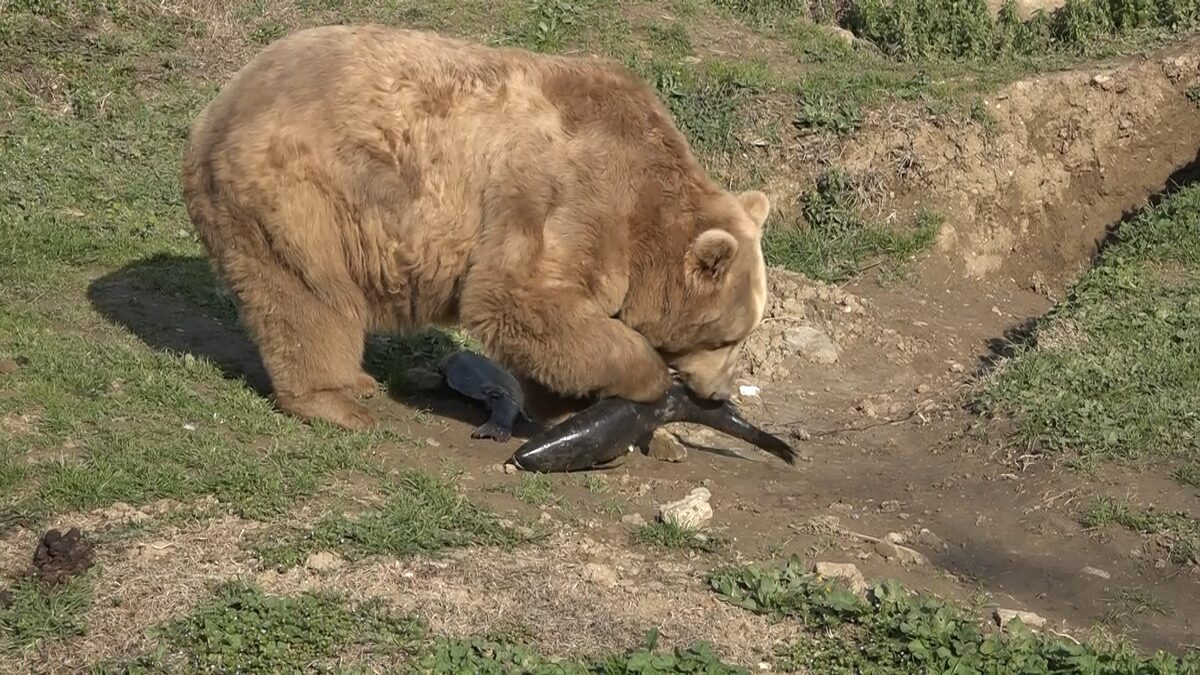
x=355, y=179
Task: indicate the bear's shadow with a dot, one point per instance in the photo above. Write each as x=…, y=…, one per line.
x=173, y=304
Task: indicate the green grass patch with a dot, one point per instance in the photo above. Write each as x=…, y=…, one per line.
x=672, y=536
x=834, y=243
x=243, y=629
x=1114, y=369
x=1178, y=533
x=421, y=514
x=1188, y=474
x=31, y=611
x=892, y=630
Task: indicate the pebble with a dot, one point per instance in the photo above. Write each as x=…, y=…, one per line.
x=847, y=572
x=812, y=343
x=1105, y=82
x=9, y=366
x=665, y=447
x=634, y=519
x=691, y=512
x=600, y=574
x=1005, y=616
x=1096, y=572
x=510, y=468
x=924, y=389
x=887, y=550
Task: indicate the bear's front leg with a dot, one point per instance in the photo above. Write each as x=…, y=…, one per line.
x=563, y=341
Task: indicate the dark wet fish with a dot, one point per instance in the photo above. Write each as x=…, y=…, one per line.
x=605, y=431
x=479, y=378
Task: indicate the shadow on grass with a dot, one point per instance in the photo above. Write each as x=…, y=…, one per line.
x=174, y=304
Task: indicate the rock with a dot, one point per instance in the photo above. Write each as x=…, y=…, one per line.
x=422, y=379
x=840, y=34
x=1096, y=572
x=9, y=366
x=1103, y=81
x=633, y=519
x=323, y=561
x=846, y=572
x=1005, y=616
x=894, y=538
x=887, y=550
x=924, y=389
x=691, y=512
x=927, y=538
x=665, y=447
x=602, y=575
x=510, y=468
x=811, y=343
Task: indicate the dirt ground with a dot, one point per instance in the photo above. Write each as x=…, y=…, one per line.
x=868, y=377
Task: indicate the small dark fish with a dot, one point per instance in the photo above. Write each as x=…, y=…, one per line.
x=479, y=378
x=605, y=431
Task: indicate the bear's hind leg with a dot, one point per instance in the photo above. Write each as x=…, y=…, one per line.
x=312, y=349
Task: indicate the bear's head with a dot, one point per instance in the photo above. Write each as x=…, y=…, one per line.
x=718, y=295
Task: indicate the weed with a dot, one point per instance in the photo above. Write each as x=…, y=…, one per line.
x=30, y=611
x=1188, y=474
x=670, y=40
x=421, y=514
x=893, y=631
x=536, y=490
x=670, y=535
x=838, y=116
x=549, y=24
x=244, y=629
x=834, y=242
x=1126, y=383
x=1178, y=533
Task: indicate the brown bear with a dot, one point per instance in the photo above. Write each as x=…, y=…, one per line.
x=355, y=179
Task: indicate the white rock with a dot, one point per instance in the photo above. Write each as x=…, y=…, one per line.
x=691, y=512
x=634, y=519
x=748, y=390
x=847, y=572
x=1004, y=616
x=1096, y=572
x=811, y=343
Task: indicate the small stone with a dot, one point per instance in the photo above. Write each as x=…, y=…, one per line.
x=545, y=517
x=927, y=538
x=691, y=512
x=1160, y=564
x=633, y=519
x=1005, y=616
x=957, y=368
x=1102, y=81
x=665, y=447
x=847, y=572
x=323, y=561
x=1096, y=572
x=499, y=468
x=894, y=538
x=840, y=34
x=9, y=366
x=600, y=574
x=432, y=442
x=422, y=379
x=510, y=468
x=887, y=550
x=924, y=389
x=811, y=343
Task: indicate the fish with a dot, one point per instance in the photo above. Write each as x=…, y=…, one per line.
x=610, y=427
x=478, y=377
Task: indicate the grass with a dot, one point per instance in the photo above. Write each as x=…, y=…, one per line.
x=672, y=536
x=1178, y=533
x=833, y=242
x=892, y=630
x=420, y=514
x=244, y=629
x=30, y=611
x=1114, y=369
x=1188, y=474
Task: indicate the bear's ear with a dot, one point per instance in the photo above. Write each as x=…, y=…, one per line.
x=757, y=206
x=710, y=255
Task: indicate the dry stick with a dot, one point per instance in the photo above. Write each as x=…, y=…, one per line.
x=884, y=422
x=876, y=540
